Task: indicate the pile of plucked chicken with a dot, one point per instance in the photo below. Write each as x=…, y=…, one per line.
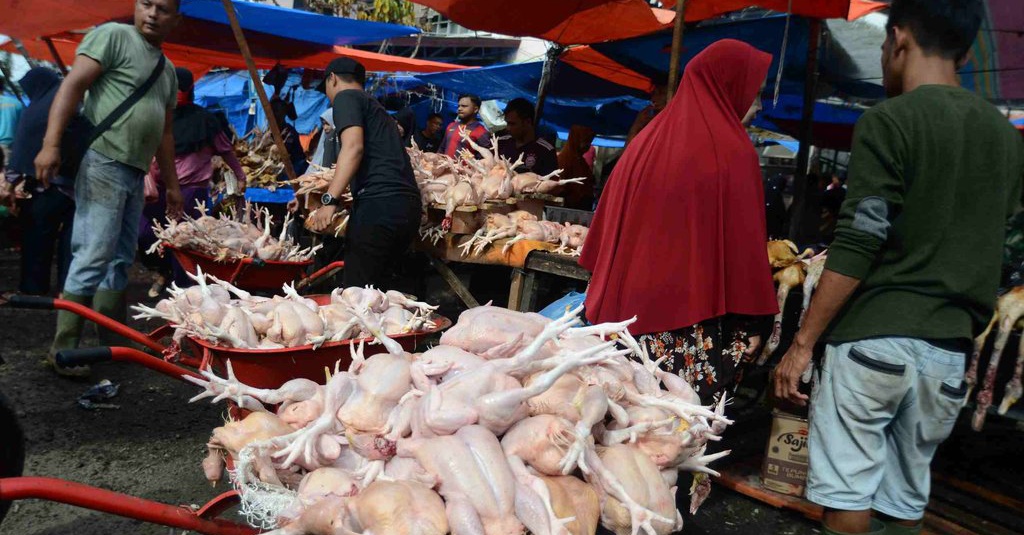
x=260, y=160
x=514, y=423
x=222, y=314
x=227, y=237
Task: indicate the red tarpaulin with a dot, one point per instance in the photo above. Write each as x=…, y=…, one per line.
x=267, y=49
x=577, y=22
x=28, y=19
x=593, y=62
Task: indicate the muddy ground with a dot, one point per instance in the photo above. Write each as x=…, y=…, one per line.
x=152, y=446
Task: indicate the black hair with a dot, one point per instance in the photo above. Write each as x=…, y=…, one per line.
x=473, y=98
x=943, y=27
x=433, y=115
x=522, y=108
x=351, y=78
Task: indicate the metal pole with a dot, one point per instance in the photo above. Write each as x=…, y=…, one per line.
x=545, y=79
x=56, y=55
x=24, y=52
x=261, y=91
x=677, y=48
x=799, y=211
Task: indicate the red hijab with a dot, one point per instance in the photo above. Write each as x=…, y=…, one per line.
x=679, y=234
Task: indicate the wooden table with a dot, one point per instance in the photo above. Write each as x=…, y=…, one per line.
x=526, y=258
x=523, y=293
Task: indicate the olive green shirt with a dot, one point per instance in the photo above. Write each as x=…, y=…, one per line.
x=128, y=60
x=934, y=175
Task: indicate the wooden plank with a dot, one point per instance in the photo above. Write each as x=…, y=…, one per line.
x=529, y=303
x=966, y=519
x=988, y=495
x=453, y=282
x=556, y=264
x=515, y=291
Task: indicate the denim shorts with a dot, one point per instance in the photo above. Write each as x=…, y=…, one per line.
x=879, y=410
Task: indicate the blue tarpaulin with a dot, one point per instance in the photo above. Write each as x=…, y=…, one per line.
x=296, y=24
x=230, y=93
x=569, y=86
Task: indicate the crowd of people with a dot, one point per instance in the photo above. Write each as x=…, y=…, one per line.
x=678, y=237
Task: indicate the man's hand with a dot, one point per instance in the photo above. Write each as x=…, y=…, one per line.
x=47, y=165
x=788, y=372
x=175, y=203
x=320, y=220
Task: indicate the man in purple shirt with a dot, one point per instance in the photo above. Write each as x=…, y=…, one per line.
x=521, y=139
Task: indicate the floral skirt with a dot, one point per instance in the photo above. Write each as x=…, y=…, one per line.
x=709, y=355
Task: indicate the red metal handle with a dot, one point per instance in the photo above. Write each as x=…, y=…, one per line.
x=127, y=354
x=326, y=271
x=97, y=499
x=109, y=324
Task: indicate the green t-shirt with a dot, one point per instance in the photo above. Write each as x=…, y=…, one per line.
x=128, y=60
x=934, y=175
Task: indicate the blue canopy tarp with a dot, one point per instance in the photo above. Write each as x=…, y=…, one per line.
x=230, y=92
x=569, y=86
x=833, y=123
x=295, y=24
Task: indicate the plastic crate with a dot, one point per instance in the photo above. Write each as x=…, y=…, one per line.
x=568, y=215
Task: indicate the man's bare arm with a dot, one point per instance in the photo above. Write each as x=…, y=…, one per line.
x=169, y=173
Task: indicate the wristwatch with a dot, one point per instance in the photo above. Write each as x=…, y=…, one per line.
x=328, y=200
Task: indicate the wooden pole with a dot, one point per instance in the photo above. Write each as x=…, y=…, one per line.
x=24, y=52
x=56, y=55
x=800, y=210
x=674, y=69
x=545, y=80
x=11, y=83
x=261, y=91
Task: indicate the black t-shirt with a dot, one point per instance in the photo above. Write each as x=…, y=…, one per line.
x=539, y=155
x=427, y=144
x=385, y=169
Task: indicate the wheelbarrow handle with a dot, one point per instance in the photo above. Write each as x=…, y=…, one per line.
x=93, y=355
x=31, y=302
x=70, y=358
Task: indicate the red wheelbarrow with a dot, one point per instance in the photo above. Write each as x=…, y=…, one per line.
x=202, y=520
x=253, y=274
x=257, y=368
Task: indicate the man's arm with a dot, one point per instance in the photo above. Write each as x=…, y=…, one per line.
x=83, y=75
x=223, y=148
x=874, y=199
x=349, y=160
x=165, y=160
x=834, y=290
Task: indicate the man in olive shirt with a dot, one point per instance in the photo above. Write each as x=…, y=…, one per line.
x=911, y=277
x=113, y=61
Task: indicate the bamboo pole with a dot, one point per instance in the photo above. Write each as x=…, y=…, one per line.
x=674, y=69
x=800, y=210
x=545, y=80
x=261, y=91
x=56, y=55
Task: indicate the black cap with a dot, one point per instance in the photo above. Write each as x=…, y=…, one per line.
x=185, y=79
x=343, y=65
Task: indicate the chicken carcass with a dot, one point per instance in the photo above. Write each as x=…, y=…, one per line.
x=473, y=477
x=787, y=279
x=493, y=332
x=1009, y=311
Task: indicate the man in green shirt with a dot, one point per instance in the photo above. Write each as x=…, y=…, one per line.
x=113, y=61
x=911, y=277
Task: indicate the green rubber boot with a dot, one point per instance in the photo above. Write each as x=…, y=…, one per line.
x=877, y=528
x=69, y=333
x=892, y=528
x=113, y=305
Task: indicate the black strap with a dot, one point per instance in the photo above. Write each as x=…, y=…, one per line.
x=132, y=99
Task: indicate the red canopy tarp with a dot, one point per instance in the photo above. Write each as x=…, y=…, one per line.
x=578, y=22
x=220, y=50
x=27, y=19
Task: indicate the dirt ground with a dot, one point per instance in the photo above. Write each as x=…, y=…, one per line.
x=152, y=446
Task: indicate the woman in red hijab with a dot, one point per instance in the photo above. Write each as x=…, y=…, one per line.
x=679, y=236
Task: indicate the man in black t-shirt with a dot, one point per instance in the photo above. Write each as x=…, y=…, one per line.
x=521, y=139
x=372, y=163
x=429, y=139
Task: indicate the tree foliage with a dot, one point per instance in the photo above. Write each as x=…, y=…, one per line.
x=393, y=11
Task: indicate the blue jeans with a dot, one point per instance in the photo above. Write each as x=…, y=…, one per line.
x=879, y=410
x=109, y=197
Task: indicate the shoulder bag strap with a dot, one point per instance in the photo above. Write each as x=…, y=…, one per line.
x=133, y=99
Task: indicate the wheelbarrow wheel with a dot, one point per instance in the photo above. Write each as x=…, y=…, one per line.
x=12, y=447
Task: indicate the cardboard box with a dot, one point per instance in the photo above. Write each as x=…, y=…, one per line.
x=785, y=460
